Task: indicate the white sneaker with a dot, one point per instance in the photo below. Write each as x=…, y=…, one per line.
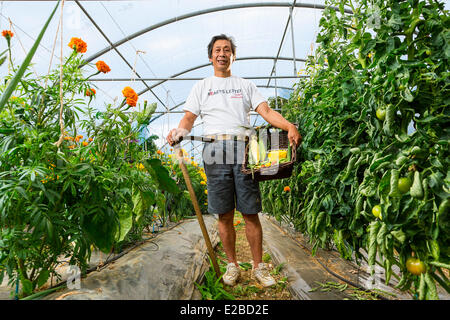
x=231, y=275
x=262, y=275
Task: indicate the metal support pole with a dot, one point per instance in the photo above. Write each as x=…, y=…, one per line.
x=276, y=91
x=293, y=41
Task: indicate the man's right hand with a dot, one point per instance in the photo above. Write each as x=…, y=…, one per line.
x=175, y=135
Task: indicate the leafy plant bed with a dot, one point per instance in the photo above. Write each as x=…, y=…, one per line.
x=159, y=268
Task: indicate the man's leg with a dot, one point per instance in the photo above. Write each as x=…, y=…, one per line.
x=254, y=234
x=227, y=235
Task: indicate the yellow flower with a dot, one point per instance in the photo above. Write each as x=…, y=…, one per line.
x=202, y=182
x=206, y=191
x=85, y=143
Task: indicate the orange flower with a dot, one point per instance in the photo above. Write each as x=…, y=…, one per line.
x=85, y=143
x=102, y=66
x=90, y=92
x=159, y=152
x=78, y=44
x=71, y=146
x=7, y=34
x=131, y=96
x=287, y=189
x=128, y=92
x=131, y=102
x=90, y=139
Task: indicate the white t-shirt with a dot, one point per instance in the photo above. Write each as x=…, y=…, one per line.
x=224, y=104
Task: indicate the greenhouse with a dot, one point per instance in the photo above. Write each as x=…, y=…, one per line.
x=224, y=150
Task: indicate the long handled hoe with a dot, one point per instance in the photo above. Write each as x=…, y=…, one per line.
x=194, y=200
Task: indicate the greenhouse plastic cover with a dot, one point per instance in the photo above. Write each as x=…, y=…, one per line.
x=261, y=29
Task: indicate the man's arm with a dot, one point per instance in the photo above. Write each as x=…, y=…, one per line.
x=184, y=127
x=277, y=120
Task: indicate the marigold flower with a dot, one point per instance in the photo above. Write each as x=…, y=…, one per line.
x=68, y=138
x=71, y=146
x=131, y=96
x=7, y=34
x=78, y=45
x=102, y=66
x=131, y=102
x=90, y=139
x=128, y=92
x=202, y=182
x=85, y=143
x=90, y=92
x=159, y=152
x=287, y=189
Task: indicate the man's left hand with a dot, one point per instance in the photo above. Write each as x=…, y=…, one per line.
x=294, y=136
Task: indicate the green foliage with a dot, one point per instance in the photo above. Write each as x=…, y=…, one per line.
x=67, y=199
x=390, y=55
x=213, y=289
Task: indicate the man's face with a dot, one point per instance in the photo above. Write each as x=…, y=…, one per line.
x=222, y=55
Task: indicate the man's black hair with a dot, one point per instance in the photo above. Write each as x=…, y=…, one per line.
x=221, y=37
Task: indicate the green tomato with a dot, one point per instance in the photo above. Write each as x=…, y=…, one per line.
x=404, y=184
x=381, y=114
x=415, y=266
x=376, y=211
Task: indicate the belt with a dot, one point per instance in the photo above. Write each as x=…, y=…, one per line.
x=227, y=137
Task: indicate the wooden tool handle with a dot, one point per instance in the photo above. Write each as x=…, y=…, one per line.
x=198, y=212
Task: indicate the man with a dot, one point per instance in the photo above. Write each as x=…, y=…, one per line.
x=224, y=102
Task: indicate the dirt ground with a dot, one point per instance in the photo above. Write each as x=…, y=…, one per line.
x=247, y=288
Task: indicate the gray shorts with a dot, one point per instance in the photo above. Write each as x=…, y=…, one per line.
x=228, y=187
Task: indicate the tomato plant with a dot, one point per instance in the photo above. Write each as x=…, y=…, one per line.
x=393, y=56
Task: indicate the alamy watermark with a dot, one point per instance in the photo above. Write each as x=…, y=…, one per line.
x=74, y=278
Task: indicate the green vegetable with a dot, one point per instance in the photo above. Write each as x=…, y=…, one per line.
x=381, y=234
x=351, y=163
x=417, y=189
x=389, y=121
x=404, y=184
x=443, y=207
x=262, y=150
x=394, y=191
x=373, y=231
